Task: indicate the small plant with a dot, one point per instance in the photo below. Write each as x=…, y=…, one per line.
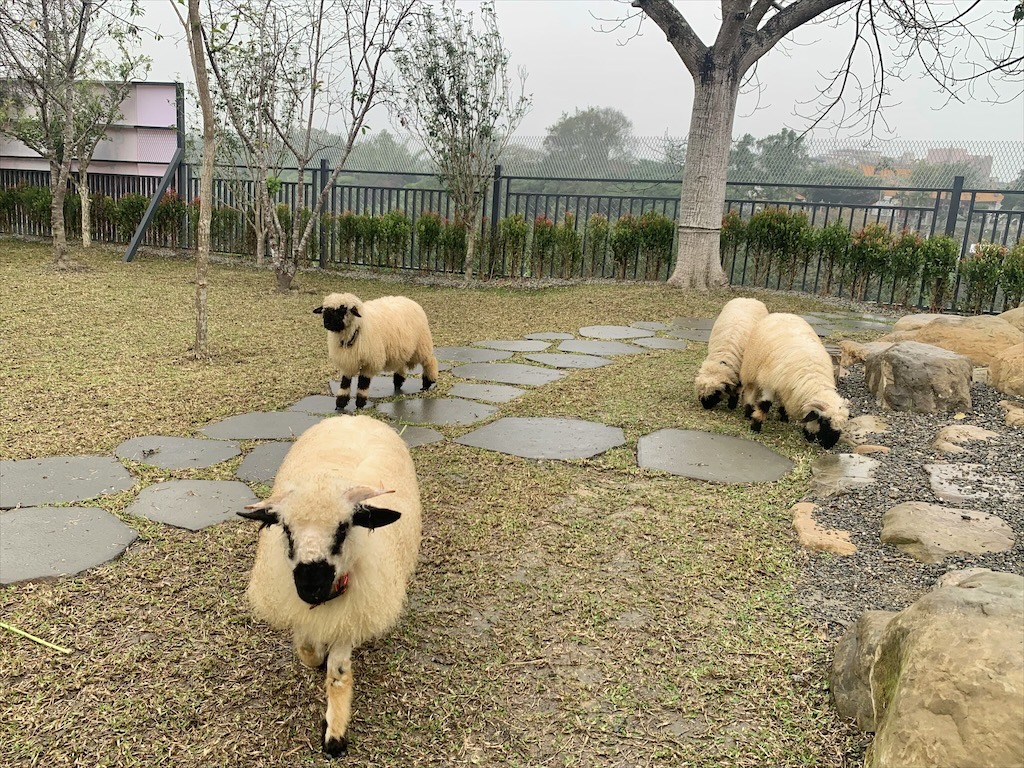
x=625, y=242
x=167, y=218
x=130, y=210
x=657, y=234
x=870, y=248
x=513, y=232
x=833, y=242
x=394, y=232
x=939, y=257
x=596, y=241
x=346, y=229
x=367, y=230
x=543, y=244
x=428, y=233
x=1011, y=277
x=568, y=246
x=981, y=270
x=453, y=246
x=906, y=262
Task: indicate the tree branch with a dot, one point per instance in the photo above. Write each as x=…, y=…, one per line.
x=781, y=24
x=678, y=31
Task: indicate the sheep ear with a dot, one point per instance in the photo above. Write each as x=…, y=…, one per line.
x=361, y=493
x=811, y=416
x=261, y=512
x=318, y=311
x=374, y=517
x=355, y=312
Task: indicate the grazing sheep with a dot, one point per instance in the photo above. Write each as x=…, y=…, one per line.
x=786, y=361
x=330, y=566
x=720, y=372
x=389, y=335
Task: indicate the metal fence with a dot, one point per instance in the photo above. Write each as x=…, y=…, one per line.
x=560, y=202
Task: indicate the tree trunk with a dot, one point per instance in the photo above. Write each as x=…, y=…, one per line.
x=698, y=261
x=260, y=225
x=197, y=50
x=472, y=236
x=58, y=191
x=83, y=193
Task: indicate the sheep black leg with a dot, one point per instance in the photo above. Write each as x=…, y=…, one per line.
x=344, y=390
x=399, y=380
x=734, y=400
x=363, y=392
x=748, y=411
x=427, y=382
x=765, y=407
x=783, y=416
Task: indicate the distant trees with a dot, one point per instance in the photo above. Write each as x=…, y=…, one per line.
x=589, y=138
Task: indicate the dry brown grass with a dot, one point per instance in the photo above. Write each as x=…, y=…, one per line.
x=581, y=613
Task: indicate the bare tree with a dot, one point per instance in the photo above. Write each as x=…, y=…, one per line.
x=894, y=36
x=47, y=55
x=457, y=97
x=326, y=64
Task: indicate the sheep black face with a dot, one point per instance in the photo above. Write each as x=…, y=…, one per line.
x=336, y=318
x=822, y=430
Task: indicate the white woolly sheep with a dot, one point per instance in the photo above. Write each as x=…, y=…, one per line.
x=321, y=569
x=786, y=361
x=719, y=374
x=386, y=335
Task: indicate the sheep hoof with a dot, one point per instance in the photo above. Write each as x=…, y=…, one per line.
x=341, y=402
x=783, y=416
x=710, y=401
x=755, y=425
x=748, y=411
x=360, y=402
x=427, y=383
x=810, y=437
x=334, y=747
x=734, y=400
x=399, y=380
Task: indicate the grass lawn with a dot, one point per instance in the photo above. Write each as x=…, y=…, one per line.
x=583, y=613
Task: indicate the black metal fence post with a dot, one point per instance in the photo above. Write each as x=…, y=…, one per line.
x=325, y=175
x=495, y=195
x=954, y=205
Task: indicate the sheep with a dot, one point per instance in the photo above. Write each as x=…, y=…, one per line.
x=720, y=372
x=323, y=569
x=390, y=334
x=785, y=360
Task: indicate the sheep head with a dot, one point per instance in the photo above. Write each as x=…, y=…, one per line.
x=315, y=536
x=713, y=380
x=824, y=420
x=340, y=311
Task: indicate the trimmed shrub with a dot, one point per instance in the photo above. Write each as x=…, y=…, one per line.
x=453, y=246
x=870, y=249
x=513, y=232
x=833, y=242
x=657, y=235
x=939, y=257
x=1011, y=277
x=568, y=247
x=981, y=270
x=394, y=232
x=428, y=233
x=625, y=241
x=543, y=244
x=130, y=210
x=595, y=244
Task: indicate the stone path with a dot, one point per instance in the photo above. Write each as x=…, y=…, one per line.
x=44, y=541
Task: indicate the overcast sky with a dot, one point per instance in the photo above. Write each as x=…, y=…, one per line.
x=571, y=64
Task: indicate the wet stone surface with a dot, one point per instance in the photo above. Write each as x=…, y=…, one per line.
x=550, y=336
x=416, y=436
x=692, y=323
x=557, y=360
x=260, y=465
x=60, y=479
x=545, y=438
x=470, y=354
x=837, y=473
x=515, y=345
x=958, y=483
x=706, y=456
x=691, y=334
x=177, y=452
x=614, y=332
x=491, y=393
x=192, y=504
x=43, y=542
x=380, y=388
x=657, y=342
x=429, y=410
x=262, y=425
x=650, y=326
x=508, y=373
x=599, y=348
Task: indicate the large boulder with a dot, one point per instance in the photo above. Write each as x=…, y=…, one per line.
x=910, y=376
x=930, y=533
x=851, y=668
x=1007, y=371
x=980, y=338
x=1014, y=317
x=947, y=680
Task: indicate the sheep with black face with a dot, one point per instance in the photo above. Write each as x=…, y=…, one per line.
x=338, y=545
x=386, y=335
x=719, y=374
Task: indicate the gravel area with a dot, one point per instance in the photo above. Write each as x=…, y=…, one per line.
x=878, y=576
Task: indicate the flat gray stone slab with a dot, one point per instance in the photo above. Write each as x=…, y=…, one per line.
x=692, y=334
x=60, y=479
x=440, y=410
x=415, y=436
x=177, y=452
x=508, y=373
x=837, y=473
x=958, y=483
x=550, y=336
x=44, y=542
x=614, y=332
x=693, y=323
x=557, y=360
x=470, y=354
x=711, y=457
x=380, y=387
x=516, y=345
x=260, y=465
x=545, y=438
x=657, y=342
x=192, y=504
x=929, y=532
x=262, y=425
x=650, y=326
x=322, y=404
x=491, y=393
x=599, y=348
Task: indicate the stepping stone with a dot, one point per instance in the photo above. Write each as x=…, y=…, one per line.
x=656, y=342
x=380, y=388
x=492, y=393
x=813, y=536
x=260, y=465
x=957, y=483
x=712, y=457
x=614, y=332
x=550, y=336
x=693, y=323
x=470, y=354
x=321, y=404
x=692, y=334
x=192, y=504
x=441, y=410
x=416, y=436
x=60, y=479
x=568, y=361
x=599, y=348
x=545, y=438
x=530, y=345
x=177, y=452
x=43, y=542
x=262, y=425
x=929, y=533
x=837, y=473
x=651, y=326
x=508, y=373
